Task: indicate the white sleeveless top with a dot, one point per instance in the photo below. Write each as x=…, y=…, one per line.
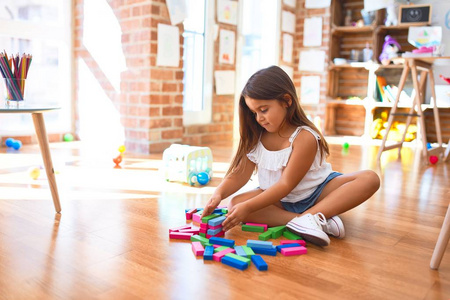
x=272, y=163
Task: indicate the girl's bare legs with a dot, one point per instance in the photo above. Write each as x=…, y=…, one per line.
x=339, y=195
x=345, y=192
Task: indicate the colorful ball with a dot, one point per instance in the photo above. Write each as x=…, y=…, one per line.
x=433, y=159
x=429, y=146
x=345, y=145
x=16, y=145
x=34, y=172
x=122, y=149
x=68, y=137
x=202, y=178
x=9, y=142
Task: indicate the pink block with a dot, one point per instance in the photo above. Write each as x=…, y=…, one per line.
x=204, y=225
x=222, y=233
x=197, y=218
x=215, y=227
x=197, y=248
x=301, y=242
x=191, y=230
x=189, y=213
x=294, y=251
x=218, y=256
x=257, y=224
x=179, y=228
x=180, y=235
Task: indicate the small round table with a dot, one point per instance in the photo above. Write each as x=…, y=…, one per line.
x=39, y=125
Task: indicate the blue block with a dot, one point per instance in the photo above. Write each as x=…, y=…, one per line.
x=279, y=247
x=259, y=244
x=221, y=241
x=259, y=262
x=213, y=231
x=234, y=263
x=217, y=211
x=208, y=254
x=216, y=221
x=240, y=251
x=266, y=251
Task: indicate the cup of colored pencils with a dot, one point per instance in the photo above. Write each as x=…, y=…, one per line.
x=14, y=70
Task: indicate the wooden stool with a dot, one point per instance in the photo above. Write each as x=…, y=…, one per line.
x=412, y=64
x=441, y=243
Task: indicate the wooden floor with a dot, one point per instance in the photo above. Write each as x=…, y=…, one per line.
x=111, y=240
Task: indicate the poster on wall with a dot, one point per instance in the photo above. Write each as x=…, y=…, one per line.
x=312, y=60
x=317, y=3
x=312, y=32
x=227, y=11
x=287, y=21
x=226, y=47
x=177, y=11
x=168, y=46
x=310, y=90
x=288, y=45
x=224, y=81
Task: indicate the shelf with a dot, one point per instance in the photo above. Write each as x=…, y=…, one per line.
x=350, y=29
x=356, y=65
x=396, y=27
x=346, y=102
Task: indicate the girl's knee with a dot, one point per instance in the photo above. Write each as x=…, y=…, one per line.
x=372, y=179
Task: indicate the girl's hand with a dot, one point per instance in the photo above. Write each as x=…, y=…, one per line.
x=235, y=216
x=211, y=205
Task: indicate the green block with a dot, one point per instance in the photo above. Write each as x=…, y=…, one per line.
x=248, y=251
x=241, y=258
x=198, y=238
x=207, y=218
x=277, y=231
x=291, y=236
x=265, y=236
x=202, y=234
x=224, y=210
x=252, y=228
x=218, y=249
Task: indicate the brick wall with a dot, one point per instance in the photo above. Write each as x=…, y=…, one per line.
x=301, y=14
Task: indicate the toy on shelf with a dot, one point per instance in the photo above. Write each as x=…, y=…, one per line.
x=12, y=143
x=390, y=50
x=188, y=164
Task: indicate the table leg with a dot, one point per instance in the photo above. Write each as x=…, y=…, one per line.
x=39, y=126
x=442, y=242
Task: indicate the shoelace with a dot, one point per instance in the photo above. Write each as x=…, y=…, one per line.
x=320, y=219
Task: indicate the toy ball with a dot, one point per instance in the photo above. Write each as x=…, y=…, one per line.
x=192, y=179
x=68, y=137
x=16, y=145
x=34, y=172
x=117, y=160
x=122, y=149
x=202, y=178
x=429, y=146
x=345, y=146
x=433, y=159
x=9, y=142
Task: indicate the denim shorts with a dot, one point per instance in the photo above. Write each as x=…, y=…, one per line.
x=302, y=205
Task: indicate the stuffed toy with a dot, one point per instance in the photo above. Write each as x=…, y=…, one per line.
x=391, y=15
x=390, y=50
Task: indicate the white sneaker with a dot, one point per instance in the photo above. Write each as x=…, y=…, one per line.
x=310, y=228
x=334, y=227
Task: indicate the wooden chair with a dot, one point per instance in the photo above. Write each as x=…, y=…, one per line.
x=442, y=242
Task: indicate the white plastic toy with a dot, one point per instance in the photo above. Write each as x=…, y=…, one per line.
x=188, y=164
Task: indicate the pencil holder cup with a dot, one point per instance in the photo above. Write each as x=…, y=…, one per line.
x=14, y=91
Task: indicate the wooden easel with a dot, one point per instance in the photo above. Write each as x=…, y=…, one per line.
x=413, y=64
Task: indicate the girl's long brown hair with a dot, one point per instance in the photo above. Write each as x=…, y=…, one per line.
x=268, y=84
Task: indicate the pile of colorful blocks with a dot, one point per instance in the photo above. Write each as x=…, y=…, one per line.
x=207, y=241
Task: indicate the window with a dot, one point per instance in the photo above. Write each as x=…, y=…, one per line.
x=40, y=28
x=198, y=61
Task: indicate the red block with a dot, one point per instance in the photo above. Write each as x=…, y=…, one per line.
x=294, y=251
x=189, y=213
x=179, y=228
x=191, y=230
x=180, y=235
x=204, y=226
x=301, y=242
x=197, y=248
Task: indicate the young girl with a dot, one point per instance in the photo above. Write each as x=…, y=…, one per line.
x=297, y=188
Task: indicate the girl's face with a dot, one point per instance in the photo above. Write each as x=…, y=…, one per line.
x=269, y=114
